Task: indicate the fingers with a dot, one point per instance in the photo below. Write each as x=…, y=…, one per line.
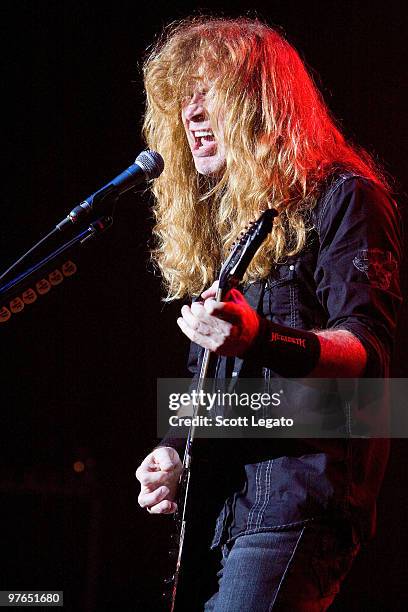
x=225, y=311
x=164, y=507
x=161, y=466
x=202, y=328
x=151, y=498
x=152, y=480
x=158, y=474
x=197, y=318
x=155, y=502
x=211, y=291
x=227, y=328
x=233, y=294
x=163, y=458
x=206, y=341
x=205, y=318
x=167, y=458
x=148, y=464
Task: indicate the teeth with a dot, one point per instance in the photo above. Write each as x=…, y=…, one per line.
x=202, y=133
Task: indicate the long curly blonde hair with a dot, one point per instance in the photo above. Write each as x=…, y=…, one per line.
x=280, y=144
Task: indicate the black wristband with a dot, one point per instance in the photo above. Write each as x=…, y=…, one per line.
x=287, y=351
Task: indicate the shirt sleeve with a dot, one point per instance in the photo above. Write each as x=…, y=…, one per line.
x=357, y=272
x=176, y=436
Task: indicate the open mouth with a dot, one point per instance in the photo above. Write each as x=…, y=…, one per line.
x=203, y=138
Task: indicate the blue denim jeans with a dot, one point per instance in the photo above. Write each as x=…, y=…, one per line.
x=298, y=569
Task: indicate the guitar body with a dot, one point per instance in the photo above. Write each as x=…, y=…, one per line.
x=194, y=583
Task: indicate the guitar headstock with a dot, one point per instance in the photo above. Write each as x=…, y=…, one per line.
x=243, y=251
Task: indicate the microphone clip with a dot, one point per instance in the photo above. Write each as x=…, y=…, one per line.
x=106, y=197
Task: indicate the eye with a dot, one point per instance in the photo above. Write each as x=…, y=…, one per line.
x=197, y=95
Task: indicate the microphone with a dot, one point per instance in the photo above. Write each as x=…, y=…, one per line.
x=148, y=165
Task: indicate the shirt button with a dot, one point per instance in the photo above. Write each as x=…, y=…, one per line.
x=291, y=267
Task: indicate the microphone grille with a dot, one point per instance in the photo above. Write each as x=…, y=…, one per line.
x=151, y=162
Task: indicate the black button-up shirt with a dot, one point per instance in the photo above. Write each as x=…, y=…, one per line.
x=345, y=278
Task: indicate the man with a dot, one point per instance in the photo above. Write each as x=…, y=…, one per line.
x=242, y=127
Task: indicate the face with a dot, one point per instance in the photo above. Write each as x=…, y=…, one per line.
x=208, y=152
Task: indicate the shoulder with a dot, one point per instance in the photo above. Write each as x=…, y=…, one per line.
x=349, y=200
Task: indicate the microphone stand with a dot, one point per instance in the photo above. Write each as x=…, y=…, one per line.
x=13, y=289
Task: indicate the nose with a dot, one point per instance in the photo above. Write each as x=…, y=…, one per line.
x=194, y=109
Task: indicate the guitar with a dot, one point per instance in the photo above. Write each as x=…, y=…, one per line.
x=231, y=274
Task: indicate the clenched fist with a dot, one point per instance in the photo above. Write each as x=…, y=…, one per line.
x=159, y=474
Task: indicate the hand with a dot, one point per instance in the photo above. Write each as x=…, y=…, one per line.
x=159, y=474
x=227, y=328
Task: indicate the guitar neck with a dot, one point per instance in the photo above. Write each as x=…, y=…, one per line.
x=208, y=355
x=231, y=274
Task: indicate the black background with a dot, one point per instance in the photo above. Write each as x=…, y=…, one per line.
x=79, y=367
